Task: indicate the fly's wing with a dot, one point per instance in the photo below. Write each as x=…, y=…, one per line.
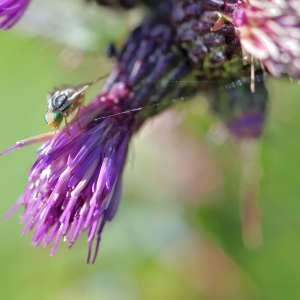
x=76, y=92
x=82, y=88
x=241, y=109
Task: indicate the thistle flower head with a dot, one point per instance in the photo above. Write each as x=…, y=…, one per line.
x=269, y=30
x=11, y=11
x=74, y=185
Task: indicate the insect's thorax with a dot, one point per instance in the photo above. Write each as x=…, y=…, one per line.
x=64, y=101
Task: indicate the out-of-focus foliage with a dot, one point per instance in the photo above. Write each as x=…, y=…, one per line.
x=177, y=234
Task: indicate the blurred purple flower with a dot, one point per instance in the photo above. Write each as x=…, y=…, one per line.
x=11, y=11
x=242, y=110
x=270, y=31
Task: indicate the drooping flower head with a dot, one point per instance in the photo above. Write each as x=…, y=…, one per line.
x=269, y=30
x=11, y=11
x=75, y=184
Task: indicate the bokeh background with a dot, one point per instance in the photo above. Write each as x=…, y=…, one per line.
x=179, y=232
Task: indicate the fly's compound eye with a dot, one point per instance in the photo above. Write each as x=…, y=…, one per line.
x=53, y=119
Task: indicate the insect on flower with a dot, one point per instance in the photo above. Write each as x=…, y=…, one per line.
x=75, y=184
x=62, y=102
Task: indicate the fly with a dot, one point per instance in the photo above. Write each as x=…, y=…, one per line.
x=62, y=102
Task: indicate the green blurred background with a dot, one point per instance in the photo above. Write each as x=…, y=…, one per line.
x=178, y=232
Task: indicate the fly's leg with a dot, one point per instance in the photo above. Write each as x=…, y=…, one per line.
x=67, y=125
x=77, y=117
x=219, y=24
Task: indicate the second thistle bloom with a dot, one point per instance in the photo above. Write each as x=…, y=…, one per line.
x=11, y=11
x=270, y=31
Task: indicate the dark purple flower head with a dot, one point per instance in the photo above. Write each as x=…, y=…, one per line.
x=236, y=95
x=269, y=30
x=11, y=11
x=215, y=53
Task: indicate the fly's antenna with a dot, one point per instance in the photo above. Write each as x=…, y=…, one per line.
x=98, y=79
x=82, y=88
x=120, y=113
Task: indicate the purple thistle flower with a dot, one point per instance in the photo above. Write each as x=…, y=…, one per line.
x=269, y=30
x=75, y=184
x=11, y=11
